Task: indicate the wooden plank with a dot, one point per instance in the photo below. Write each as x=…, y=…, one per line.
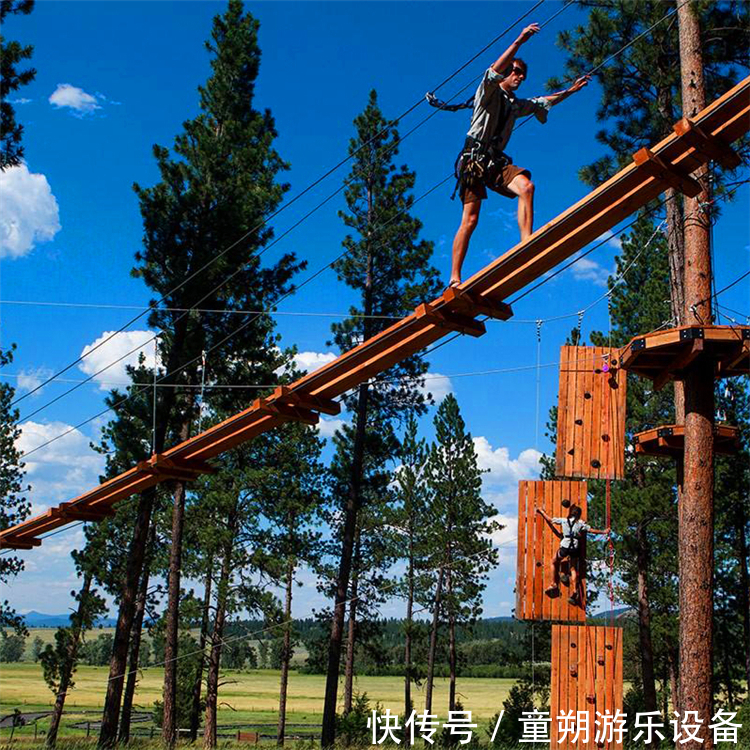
x=581, y=680
x=539, y=561
x=521, y=552
x=562, y=415
x=565, y=681
x=618, y=698
x=576, y=399
x=530, y=549
x=555, y=684
x=599, y=414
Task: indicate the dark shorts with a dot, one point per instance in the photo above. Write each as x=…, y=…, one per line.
x=479, y=192
x=564, y=552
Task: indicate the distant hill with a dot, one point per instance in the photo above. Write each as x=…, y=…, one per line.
x=619, y=613
x=40, y=620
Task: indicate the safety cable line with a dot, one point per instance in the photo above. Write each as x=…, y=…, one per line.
x=221, y=342
x=275, y=213
x=241, y=268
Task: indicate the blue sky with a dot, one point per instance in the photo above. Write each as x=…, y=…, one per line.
x=123, y=76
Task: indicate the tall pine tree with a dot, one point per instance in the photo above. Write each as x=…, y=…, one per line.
x=388, y=266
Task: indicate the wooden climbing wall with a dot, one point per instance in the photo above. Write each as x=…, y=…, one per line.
x=591, y=413
x=538, y=544
x=586, y=676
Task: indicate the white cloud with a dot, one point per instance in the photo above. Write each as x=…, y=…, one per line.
x=126, y=347
x=20, y=100
x=30, y=213
x=310, y=361
x=504, y=469
x=61, y=470
x=327, y=427
x=66, y=95
x=29, y=379
x=438, y=385
x=585, y=269
x=612, y=239
x=506, y=539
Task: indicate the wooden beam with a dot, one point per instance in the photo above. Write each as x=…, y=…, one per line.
x=709, y=147
x=725, y=120
x=15, y=542
x=651, y=164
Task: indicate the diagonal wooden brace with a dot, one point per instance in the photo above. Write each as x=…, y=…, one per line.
x=16, y=542
x=285, y=395
x=70, y=511
x=709, y=147
x=450, y=320
x=286, y=412
x=733, y=360
x=183, y=470
x=460, y=301
x=650, y=163
x=686, y=358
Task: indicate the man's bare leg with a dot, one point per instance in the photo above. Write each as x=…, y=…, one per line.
x=523, y=187
x=554, y=567
x=469, y=220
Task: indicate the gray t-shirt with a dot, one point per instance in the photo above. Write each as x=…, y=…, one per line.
x=572, y=531
x=496, y=111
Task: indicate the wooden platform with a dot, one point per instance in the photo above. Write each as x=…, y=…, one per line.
x=591, y=414
x=690, y=146
x=663, y=355
x=586, y=676
x=538, y=544
x=669, y=440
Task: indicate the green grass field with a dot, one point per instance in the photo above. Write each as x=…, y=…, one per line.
x=248, y=697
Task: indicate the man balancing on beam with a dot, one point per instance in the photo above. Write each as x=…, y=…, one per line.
x=573, y=530
x=482, y=163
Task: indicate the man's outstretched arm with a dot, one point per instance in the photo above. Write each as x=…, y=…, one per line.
x=503, y=61
x=558, y=96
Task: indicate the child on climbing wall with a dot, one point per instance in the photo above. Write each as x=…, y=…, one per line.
x=571, y=534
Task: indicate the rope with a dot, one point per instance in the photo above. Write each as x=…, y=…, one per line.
x=538, y=379
x=203, y=391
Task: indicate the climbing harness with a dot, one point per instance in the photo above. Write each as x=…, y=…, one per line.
x=478, y=164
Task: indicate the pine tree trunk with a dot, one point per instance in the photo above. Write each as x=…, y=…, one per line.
x=169, y=727
x=451, y=639
x=644, y=624
x=674, y=682
x=286, y=653
x=352, y=631
x=408, y=624
x=135, y=642
x=744, y=587
x=328, y=729
x=71, y=658
x=119, y=660
x=217, y=634
x=433, y=644
x=195, y=711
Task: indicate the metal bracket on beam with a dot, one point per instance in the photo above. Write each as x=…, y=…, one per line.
x=285, y=395
x=650, y=163
x=691, y=334
x=467, y=303
x=710, y=147
x=286, y=412
x=450, y=320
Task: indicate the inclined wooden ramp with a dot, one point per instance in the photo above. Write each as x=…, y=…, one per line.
x=667, y=164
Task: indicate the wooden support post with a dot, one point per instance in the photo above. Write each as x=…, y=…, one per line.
x=674, y=177
x=285, y=412
x=696, y=506
x=458, y=300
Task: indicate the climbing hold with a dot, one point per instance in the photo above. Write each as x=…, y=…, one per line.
x=596, y=463
x=605, y=438
x=587, y=395
x=579, y=422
